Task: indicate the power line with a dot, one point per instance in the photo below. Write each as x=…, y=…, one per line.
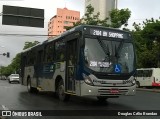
x=1, y=34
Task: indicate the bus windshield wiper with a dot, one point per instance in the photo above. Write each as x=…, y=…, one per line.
x=117, y=50
x=105, y=48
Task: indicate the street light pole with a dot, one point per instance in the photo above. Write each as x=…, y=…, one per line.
x=4, y=54
x=1, y=65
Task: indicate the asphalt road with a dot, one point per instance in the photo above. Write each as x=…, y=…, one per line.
x=15, y=97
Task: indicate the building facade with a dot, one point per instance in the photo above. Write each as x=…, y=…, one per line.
x=61, y=20
x=102, y=6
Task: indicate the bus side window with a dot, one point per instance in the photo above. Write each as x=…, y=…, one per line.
x=147, y=73
x=140, y=73
x=60, y=50
x=40, y=56
x=49, y=49
x=31, y=59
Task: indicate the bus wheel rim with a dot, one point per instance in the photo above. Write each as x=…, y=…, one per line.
x=29, y=87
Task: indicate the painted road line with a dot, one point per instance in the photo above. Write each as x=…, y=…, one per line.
x=4, y=107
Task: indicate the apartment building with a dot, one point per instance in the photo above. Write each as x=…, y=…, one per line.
x=102, y=6
x=61, y=20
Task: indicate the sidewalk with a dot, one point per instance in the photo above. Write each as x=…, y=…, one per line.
x=150, y=90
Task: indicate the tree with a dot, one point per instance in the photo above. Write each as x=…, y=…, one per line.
x=151, y=33
x=30, y=44
x=116, y=19
x=119, y=17
x=147, y=40
x=91, y=19
x=6, y=70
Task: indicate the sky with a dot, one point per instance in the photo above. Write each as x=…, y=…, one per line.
x=140, y=10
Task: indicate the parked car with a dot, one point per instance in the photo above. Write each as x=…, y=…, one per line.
x=13, y=78
x=3, y=77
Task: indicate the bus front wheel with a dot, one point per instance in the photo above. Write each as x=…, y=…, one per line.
x=61, y=92
x=30, y=88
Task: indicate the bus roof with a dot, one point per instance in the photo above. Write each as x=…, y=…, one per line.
x=77, y=28
x=80, y=27
x=28, y=49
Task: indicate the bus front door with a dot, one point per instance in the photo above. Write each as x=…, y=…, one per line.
x=71, y=65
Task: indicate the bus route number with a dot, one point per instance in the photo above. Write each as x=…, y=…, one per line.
x=97, y=32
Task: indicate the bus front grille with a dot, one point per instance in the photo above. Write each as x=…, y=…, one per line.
x=105, y=92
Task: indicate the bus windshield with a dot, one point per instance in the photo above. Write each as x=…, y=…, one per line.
x=109, y=56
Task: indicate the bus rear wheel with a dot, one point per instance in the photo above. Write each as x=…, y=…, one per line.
x=30, y=88
x=101, y=98
x=61, y=92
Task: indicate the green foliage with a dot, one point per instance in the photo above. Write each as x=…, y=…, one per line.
x=90, y=18
x=151, y=30
x=30, y=44
x=6, y=70
x=119, y=17
x=116, y=19
x=147, y=40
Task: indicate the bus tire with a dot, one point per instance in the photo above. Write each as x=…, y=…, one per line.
x=101, y=98
x=61, y=92
x=30, y=88
x=137, y=84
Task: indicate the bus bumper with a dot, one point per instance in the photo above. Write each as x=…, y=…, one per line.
x=88, y=90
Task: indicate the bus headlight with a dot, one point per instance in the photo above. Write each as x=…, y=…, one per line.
x=87, y=80
x=133, y=81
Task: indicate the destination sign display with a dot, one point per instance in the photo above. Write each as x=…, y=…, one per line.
x=108, y=33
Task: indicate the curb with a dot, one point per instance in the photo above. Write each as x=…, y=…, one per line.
x=150, y=90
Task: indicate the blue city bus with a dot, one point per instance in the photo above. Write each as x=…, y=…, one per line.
x=83, y=61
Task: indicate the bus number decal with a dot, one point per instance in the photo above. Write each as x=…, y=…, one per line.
x=93, y=63
x=115, y=35
x=97, y=32
x=107, y=33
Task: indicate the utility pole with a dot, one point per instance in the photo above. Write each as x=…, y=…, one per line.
x=7, y=55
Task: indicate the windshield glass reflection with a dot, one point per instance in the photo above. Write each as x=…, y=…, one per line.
x=109, y=56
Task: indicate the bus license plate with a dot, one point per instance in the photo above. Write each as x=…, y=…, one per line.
x=115, y=91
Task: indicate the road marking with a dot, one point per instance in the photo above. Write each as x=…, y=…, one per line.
x=4, y=107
